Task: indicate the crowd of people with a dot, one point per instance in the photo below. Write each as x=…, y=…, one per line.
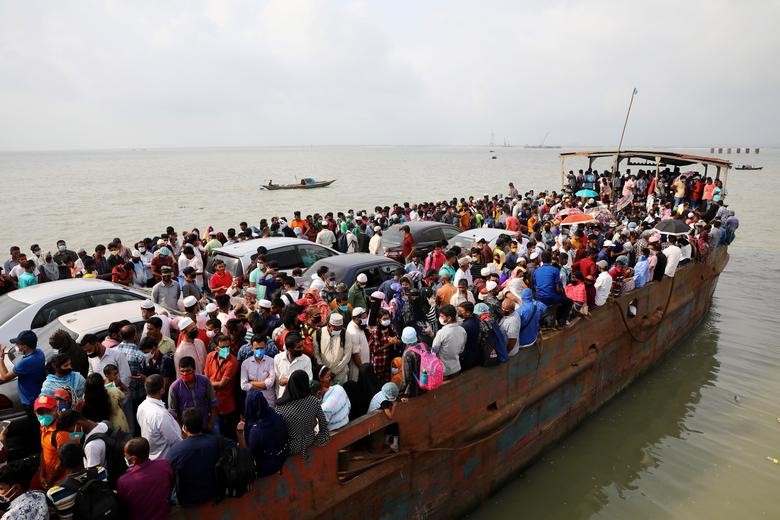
x=272, y=364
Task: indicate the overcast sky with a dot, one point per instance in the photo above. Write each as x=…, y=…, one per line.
x=124, y=74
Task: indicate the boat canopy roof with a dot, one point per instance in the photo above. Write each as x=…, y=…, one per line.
x=667, y=158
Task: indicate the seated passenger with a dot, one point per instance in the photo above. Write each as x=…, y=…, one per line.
x=334, y=401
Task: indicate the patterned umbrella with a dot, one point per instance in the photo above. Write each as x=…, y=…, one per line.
x=601, y=214
x=566, y=212
x=579, y=218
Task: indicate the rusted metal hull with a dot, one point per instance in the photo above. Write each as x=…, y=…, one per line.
x=459, y=443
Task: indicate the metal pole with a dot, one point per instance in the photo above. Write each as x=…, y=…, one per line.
x=620, y=145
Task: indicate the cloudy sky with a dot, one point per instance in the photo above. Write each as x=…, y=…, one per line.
x=124, y=74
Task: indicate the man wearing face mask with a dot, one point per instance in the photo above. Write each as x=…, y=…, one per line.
x=46, y=412
x=80, y=429
x=357, y=293
x=192, y=390
x=49, y=270
x=384, y=345
x=330, y=347
x=167, y=291
x=146, y=486
x=190, y=345
x=63, y=496
x=99, y=356
x=62, y=256
x=30, y=369
x=221, y=368
x=290, y=360
x=257, y=371
x=146, y=262
x=450, y=340
x=356, y=342
x=156, y=362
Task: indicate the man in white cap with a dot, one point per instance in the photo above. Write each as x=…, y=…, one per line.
x=356, y=341
x=463, y=272
x=148, y=310
x=190, y=345
x=357, y=293
x=375, y=245
x=603, y=284
x=330, y=348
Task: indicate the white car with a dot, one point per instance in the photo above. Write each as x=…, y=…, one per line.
x=35, y=306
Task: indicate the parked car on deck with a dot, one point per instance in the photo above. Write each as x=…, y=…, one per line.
x=426, y=235
x=346, y=268
x=467, y=239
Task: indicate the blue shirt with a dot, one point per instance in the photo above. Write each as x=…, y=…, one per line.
x=530, y=313
x=546, y=279
x=31, y=372
x=193, y=461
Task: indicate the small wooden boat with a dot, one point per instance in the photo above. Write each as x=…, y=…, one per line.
x=305, y=184
x=748, y=167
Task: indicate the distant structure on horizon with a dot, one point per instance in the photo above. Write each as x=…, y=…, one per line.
x=542, y=145
x=738, y=150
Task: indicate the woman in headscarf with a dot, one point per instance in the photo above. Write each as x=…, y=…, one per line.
x=334, y=400
x=265, y=434
x=301, y=411
x=61, y=374
x=104, y=404
x=361, y=391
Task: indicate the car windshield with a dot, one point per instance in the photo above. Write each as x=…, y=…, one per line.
x=392, y=237
x=339, y=271
x=462, y=242
x=10, y=307
x=232, y=264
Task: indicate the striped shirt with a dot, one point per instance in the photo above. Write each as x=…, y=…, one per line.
x=336, y=406
x=64, y=500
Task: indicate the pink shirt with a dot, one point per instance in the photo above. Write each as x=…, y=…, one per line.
x=144, y=490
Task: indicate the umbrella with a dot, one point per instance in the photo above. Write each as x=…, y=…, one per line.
x=579, y=218
x=673, y=226
x=587, y=193
x=566, y=212
x=602, y=214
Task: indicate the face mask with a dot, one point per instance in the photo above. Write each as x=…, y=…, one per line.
x=211, y=333
x=344, y=308
x=63, y=406
x=364, y=322
x=393, y=370
x=385, y=323
x=147, y=356
x=76, y=436
x=187, y=378
x=142, y=249
x=442, y=321
x=224, y=352
x=46, y=419
x=62, y=247
x=128, y=463
x=66, y=371
x=259, y=353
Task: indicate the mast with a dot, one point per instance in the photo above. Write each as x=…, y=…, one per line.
x=620, y=145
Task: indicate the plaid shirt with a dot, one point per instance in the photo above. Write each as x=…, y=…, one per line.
x=136, y=361
x=379, y=346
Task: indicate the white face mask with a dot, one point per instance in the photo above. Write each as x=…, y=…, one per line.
x=442, y=321
x=364, y=321
x=211, y=333
x=385, y=323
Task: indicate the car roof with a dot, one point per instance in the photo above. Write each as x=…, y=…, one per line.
x=422, y=224
x=87, y=320
x=486, y=233
x=354, y=259
x=48, y=290
x=250, y=246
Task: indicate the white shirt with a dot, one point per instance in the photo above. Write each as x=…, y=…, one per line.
x=95, y=451
x=510, y=326
x=673, y=255
x=196, y=263
x=284, y=367
x=603, y=286
x=111, y=357
x=375, y=246
x=326, y=237
x=357, y=344
x=461, y=274
x=158, y=427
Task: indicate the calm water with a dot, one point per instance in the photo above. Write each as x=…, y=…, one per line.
x=676, y=444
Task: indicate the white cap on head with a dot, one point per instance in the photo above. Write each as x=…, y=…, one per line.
x=336, y=319
x=265, y=304
x=147, y=304
x=189, y=301
x=211, y=307
x=185, y=322
x=136, y=253
x=358, y=311
x=608, y=243
x=250, y=290
x=377, y=228
x=485, y=271
x=491, y=285
x=362, y=278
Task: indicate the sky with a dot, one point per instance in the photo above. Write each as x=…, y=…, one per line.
x=119, y=74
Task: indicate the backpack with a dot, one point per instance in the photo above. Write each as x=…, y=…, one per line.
x=236, y=471
x=341, y=243
x=115, y=440
x=94, y=498
x=432, y=365
x=488, y=353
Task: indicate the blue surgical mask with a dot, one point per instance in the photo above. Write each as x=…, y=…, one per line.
x=344, y=308
x=46, y=419
x=127, y=462
x=76, y=436
x=259, y=353
x=224, y=352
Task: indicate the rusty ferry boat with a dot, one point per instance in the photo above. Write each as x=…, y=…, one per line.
x=458, y=444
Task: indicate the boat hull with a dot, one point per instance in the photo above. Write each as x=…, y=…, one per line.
x=461, y=442
x=274, y=187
